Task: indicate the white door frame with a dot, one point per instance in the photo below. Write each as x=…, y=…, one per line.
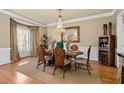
x=119, y=29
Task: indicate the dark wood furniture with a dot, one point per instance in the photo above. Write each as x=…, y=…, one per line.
x=73, y=54
x=60, y=61
x=82, y=62
x=74, y=47
x=41, y=57
x=106, y=50
x=45, y=45
x=73, y=50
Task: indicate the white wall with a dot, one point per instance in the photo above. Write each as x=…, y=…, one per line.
x=121, y=42
x=4, y=56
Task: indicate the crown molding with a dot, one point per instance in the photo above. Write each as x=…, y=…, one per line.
x=14, y=15
x=86, y=18
x=113, y=12
x=31, y=21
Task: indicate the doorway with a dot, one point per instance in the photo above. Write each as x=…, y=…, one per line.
x=120, y=35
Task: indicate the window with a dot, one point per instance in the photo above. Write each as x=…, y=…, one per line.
x=24, y=40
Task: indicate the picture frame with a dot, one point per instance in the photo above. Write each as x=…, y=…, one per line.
x=72, y=33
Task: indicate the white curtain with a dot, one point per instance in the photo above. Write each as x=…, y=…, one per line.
x=28, y=40
x=24, y=40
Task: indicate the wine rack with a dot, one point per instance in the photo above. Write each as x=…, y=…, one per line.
x=106, y=50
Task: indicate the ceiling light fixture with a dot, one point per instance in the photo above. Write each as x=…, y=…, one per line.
x=60, y=29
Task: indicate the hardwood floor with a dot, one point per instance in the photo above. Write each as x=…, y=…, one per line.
x=108, y=75
x=8, y=73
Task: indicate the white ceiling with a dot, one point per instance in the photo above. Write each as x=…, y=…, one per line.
x=49, y=16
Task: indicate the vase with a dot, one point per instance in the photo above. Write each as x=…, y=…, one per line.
x=105, y=29
x=60, y=44
x=110, y=28
x=67, y=46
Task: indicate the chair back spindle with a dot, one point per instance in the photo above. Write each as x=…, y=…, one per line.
x=74, y=47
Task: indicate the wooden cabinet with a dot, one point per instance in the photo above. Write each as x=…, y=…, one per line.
x=106, y=50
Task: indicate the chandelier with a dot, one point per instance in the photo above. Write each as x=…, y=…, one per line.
x=60, y=29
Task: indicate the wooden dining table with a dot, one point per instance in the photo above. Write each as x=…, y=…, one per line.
x=73, y=54
x=68, y=54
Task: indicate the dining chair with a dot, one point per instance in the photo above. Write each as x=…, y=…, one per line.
x=42, y=58
x=60, y=61
x=82, y=62
x=74, y=47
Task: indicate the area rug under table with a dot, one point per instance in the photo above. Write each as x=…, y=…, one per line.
x=71, y=77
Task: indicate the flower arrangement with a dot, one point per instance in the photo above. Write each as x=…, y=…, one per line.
x=52, y=42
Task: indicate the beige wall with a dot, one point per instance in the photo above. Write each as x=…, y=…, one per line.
x=90, y=30
x=4, y=31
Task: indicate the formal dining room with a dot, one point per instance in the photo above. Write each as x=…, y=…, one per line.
x=61, y=46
